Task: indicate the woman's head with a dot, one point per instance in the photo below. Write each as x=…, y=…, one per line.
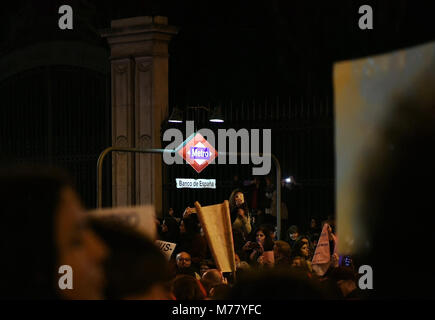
x=237, y=199
x=44, y=226
x=305, y=250
x=262, y=235
x=305, y=240
x=301, y=249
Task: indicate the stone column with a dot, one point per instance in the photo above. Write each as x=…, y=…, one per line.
x=139, y=59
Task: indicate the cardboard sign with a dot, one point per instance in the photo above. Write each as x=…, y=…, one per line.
x=322, y=256
x=167, y=248
x=322, y=253
x=141, y=218
x=364, y=94
x=216, y=223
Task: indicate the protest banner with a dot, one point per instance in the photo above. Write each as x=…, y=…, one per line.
x=322, y=255
x=167, y=248
x=216, y=223
x=140, y=218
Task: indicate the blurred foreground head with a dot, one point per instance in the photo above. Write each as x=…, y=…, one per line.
x=135, y=269
x=43, y=227
x=399, y=204
x=276, y=284
x=186, y=287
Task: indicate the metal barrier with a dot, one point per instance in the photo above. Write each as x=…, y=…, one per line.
x=161, y=151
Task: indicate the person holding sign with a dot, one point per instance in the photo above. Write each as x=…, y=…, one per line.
x=242, y=222
x=191, y=240
x=325, y=255
x=216, y=222
x=240, y=216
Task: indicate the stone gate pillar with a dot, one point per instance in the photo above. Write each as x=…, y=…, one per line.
x=139, y=69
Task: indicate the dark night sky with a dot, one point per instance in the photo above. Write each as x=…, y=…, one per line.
x=238, y=48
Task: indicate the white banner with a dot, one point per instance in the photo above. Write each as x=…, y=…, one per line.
x=166, y=248
x=196, y=183
x=216, y=222
x=142, y=218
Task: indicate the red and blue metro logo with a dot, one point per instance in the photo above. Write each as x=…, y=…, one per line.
x=198, y=152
